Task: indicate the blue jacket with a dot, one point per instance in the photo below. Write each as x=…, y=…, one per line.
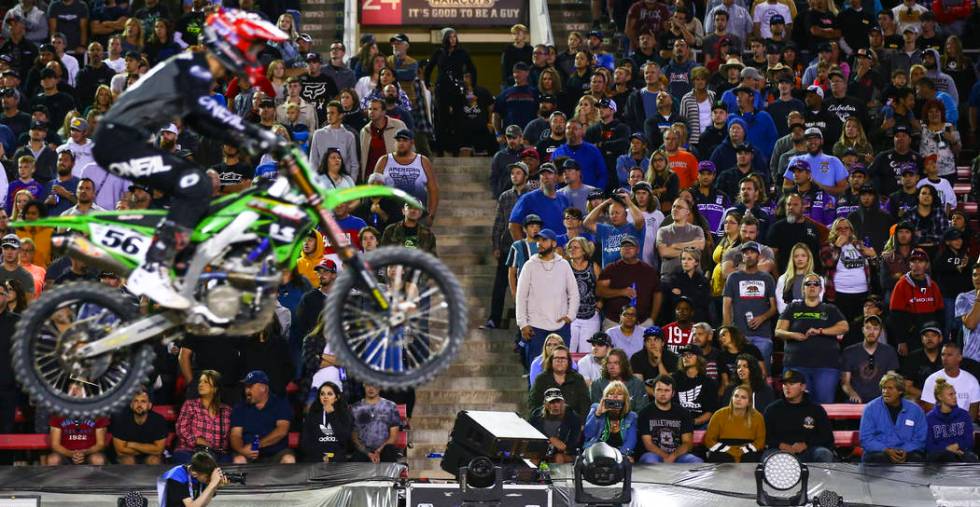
x=594, y=426
x=761, y=132
x=878, y=433
x=591, y=161
x=945, y=429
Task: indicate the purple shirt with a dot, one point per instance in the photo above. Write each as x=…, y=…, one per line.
x=34, y=187
x=109, y=188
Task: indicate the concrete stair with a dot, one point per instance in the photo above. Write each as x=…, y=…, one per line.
x=324, y=21
x=487, y=374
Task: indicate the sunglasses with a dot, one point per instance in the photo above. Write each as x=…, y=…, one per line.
x=811, y=284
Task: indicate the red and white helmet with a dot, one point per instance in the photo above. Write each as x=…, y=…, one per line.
x=236, y=37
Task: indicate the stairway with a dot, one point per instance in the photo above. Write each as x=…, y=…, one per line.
x=569, y=16
x=324, y=21
x=487, y=374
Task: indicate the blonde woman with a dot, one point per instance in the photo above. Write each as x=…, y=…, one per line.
x=664, y=182
x=736, y=433
x=20, y=200
x=789, y=287
x=853, y=136
x=102, y=101
x=729, y=239
x=578, y=252
x=586, y=111
x=132, y=37
x=950, y=435
x=276, y=74
x=611, y=420
x=849, y=265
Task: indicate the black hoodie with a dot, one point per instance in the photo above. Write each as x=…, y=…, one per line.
x=807, y=422
x=872, y=223
x=452, y=64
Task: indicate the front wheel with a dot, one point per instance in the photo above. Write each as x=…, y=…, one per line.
x=44, y=351
x=411, y=341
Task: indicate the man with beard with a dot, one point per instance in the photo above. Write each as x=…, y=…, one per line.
x=695, y=391
x=408, y=171
x=139, y=434
x=588, y=156
x=716, y=132
x=642, y=104
x=857, y=177
x=798, y=426
x=393, y=109
x=312, y=303
x=869, y=221
x=501, y=240
x=840, y=105
x=61, y=192
x=747, y=203
x=544, y=203
x=915, y=301
x=508, y=154
x=534, y=130
x=817, y=204
x=318, y=87
x=906, y=197
x=827, y=171
x=560, y=424
x=547, y=296
x=610, y=136
x=793, y=229
x=666, y=430
x=815, y=114
x=96, y=73
x=710, y=201
x=863, y=364
x=85, y=199
x=749, y=301
x=553, y=137
x=263, y=419
x=235, y=174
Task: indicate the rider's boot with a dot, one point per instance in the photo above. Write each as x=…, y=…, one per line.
x=152, y=278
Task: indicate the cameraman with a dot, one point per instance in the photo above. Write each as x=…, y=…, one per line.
x=184, y=485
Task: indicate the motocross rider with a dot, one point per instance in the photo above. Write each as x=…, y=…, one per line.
x=180, y=87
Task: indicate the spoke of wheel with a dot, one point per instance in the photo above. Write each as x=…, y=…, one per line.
x=433, y=340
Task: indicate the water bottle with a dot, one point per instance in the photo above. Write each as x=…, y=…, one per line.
x=748, y=317
x=633, y=299
x=434, y=455
x=255, y=443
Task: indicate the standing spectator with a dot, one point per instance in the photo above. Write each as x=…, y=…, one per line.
x=797, y=425
x=590, y=366
x=95, y=74
x=501, y=240
x=376, y=428
x=694, y=390
x=863, y=364
x=410, y=232
x=10, y=269
x=929, y=219
x=950, y=267
x=139, y=433
x=547, y=298
x=411, y=172
x=678, y=236
x=71, y=18
x=575, y=190
x=260, y=424
x=545, y=203
x=587, y=155
x=704, y=337
x=680, y=332
x=654, y=358
x=517, y=104
x=610, y=235
x=610, y=136
x=588, y=321
x=560, y=424
x=831, y=176
x=923, y=362
x=736, y=433
x=739, y=20
x=612, y=420
x=9, y=391
x=558, y=374
x=895, y=258
x=627, y=336
x=682, y=162
x=916, y=299
x=893, y=439
x=666, y=430
x=34, y=20
x=949, y=438
x=818, y=205
x=967, y=389
x=869, y=219
x=733, y=344
x=204, y=422
x=336, y=69
x=788, y=236
x=61, y=191
x=453, y=62
x=333, y=135
x=327, y=427
x=509, y=153
x=968, y=310
x=79, y=144
x=849, y=264
x=710, y=202
x=629, y=282
x=810, y=329
x=377, y=138
x=749, y=301
x=687, y=283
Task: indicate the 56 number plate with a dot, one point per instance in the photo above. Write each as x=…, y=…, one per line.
x=121, y=240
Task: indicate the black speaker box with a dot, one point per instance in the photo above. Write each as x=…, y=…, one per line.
x=501, y=436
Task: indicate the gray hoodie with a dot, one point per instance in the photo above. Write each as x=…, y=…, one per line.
x=546, y=292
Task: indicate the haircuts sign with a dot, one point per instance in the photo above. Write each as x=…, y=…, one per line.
x=443, y=12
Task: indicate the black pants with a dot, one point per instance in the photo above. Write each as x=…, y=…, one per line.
x=499, y=293
x=124, y=151
x=447, y=111
x=389, y=454
x=724, y=457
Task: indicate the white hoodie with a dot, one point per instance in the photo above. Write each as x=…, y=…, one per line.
x=546, y=292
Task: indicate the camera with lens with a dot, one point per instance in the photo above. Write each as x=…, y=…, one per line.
x=615, y=404
x=236, y=477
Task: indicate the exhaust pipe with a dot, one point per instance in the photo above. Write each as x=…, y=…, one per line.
x=81, y=249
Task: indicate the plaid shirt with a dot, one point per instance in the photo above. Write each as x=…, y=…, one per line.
x=929, y=229
x=195, y=421
x=500, y=237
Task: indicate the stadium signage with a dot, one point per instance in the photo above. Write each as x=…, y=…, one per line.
x=443, y=12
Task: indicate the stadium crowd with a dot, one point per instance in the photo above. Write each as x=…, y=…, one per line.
x=733, y=212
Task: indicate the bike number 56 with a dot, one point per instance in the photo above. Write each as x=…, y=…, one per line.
x=124, y=241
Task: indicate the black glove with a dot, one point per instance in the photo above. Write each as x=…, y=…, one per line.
x=259, y=140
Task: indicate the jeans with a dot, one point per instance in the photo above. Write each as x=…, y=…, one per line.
x=533, y=347
x=821, y=383
x=649, y=458
x=810, y=455
x=765, y=347
x=582, y=330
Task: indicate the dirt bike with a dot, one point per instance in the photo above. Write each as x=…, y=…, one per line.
x=394, y=317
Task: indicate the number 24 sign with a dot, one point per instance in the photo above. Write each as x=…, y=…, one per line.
x=381, y=12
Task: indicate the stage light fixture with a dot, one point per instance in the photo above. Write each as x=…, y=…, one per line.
x=603, y=465
x=781, y=479
x=481, y=482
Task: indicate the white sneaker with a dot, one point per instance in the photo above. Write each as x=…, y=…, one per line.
x=153, y=282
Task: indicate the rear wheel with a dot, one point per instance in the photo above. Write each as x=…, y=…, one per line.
x=411, y=341
x=44, y=351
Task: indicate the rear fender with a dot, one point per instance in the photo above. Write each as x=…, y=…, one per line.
x=336, y=197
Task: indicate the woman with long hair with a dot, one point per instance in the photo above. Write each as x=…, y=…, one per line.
x=132, y=36
x=21, y=198
x=665, y=182
x=549, y=83
x=160, y=45
x=750, y=375
x=652, y=217
x=789, y=287
x=736, y=433
x=940, y=137
x=732, y=343
x=578, y=252
x=350, y=102
x=687, y=281
x=853, y=136
x=537, y=366
x=960, y=67
x=369, y=82
x=612, y=421
x=16, y=296
x=386, y=76
x=452, y=61
x=204, y=422
x=586, y=111
x=729, y=239
x=365, y=55
x=332, y=173
x=35, y=210
x=929, y=219
x=288, y=48
x=949, y=438
x=850, y=266
x=275, y=72
x=580, y=78
x=327, y=428
x=102, y=101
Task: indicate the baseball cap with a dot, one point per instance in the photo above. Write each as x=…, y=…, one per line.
x=79, y=123
x=595, y=194
x=628, y=240
x=513, y=131
x=799, y=164
x=908, y=168
x=911, y=28
x=132, y=54
x=595, y=33
x=743, y=147
x=313, y=57
x=952, y=234
x=777, y=20
x=653, y=331
x=707, y=166
x=267, y=103
x=520, y=165
x=867, y=188
x=570, y=163
x=47, y=73
x=873, y=317
x=608, y=104
x=773, y=49
x=793, y=377
x=905, y=225
x=326, y=264
x=305, y=37
x=643, y=185
x=836, y=71
x=815, y=89
x=824, y=47
x=932, y=157
x=46, y=48
x=553, y=394
x=751, y=73
x=531, y=152
x=931, y=326
x=750, y=245
x=256, y=377
x=742, y=89
x=398, y=37
x=39, y=125
x=918, y=254
x=691, y=348
x=547, y=234
x=813, y=132
x=10, y=240
x=522, y=66
x=639, y=136
x=600, y=338
x=719, y=105
x=170, y=128
x=405, y=134
x=548, y=167
x=368, y=38
x=551, y=99
x=865, y=53
x=902, y=129
x=533, y=219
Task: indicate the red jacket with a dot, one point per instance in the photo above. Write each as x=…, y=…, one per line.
x=908, y=298
x=949, y=14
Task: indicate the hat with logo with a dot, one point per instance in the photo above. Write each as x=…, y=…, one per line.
x=256, y=377
x=548, y=167
x=170, y=128
x=868, y=318
x=10, y=241
x=813, y=132
x=398, y=37
x=79, y=123
x=653, y=331
x=628, y=240
x=405, y=134
x=908, y=168
x=791, y=376
x=799, y=165
x=750, y=245
x=513, y=131
x=777, y=19
x=815, y=89
x=533, y=219
x=326, y=264
x=313, y=57
x=600, y=338
x=868, y=188
x=546, y=234
x=707, y=166
x=39, y=125
x=519, y=165
x=902, y=129
x=743, y=147
x=691, y=348
x=608, y=104
x=932, y=326
x=919, y=254
x=553, y=394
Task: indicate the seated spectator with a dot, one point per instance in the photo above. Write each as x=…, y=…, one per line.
x=204, y=422
x=653, y=359
x=694, y=390
x=627, y=336
x=376, y=427
x=949, y=438
x=863, y=364
x=967, y=389
x=327, y=427
x=736, y=433
x=916, y=299
x=616, y=368
x=590, y=366
x=922, y=362
x=893, y=429
x=797, y=425
x=77, y=441
x=612, y=420
x=666, y=429
x=749, y=374
x=687, y=283
x=139, y=433
x=260, y=424
x=929, y=219
x=629, y=282
x=557, y=372
x=810, y=329
x=950, y=268
x=704, y=337
x=560, y=424
x=680, y=332
x=550, y=342
x=732, y=344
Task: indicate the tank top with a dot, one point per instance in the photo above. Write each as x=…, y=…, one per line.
x=411, y=177
x=586, y=281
